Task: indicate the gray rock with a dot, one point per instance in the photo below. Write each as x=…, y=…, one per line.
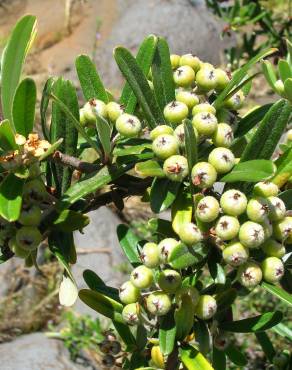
x=187, y=25
x=35, y=352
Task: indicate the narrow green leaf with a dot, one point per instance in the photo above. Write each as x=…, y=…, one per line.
x=184, y=317
x=182, y=210
x=104, y=133
x=69, y=220
x=284, y=70
x=163, y=82
x=250, y=171
x=269, y=73
x=11, y=197
x=161, y=227
x=253, y=324
x=288, y=88
x=62, y=246
x=218, y=359
x=278, y=292
x=286, y=197
x=13, y=59
x=51, y=149
x=167, y=332
x=23, y=109
x=149, y=168
x=240, y=74
x=266, y=345
x=284, y=168
x=44, y=106
x=193, y=359
x=94, y=282
x=202, y=336
x=90, y=81
x=235, y=356
x=138, y=82
x=7, y=140
x=283, y=330
x=191, y=148
x=129, y=243
x=163, y=193
x=125, y=333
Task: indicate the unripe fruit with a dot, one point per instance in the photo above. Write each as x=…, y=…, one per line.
x=129, y=293
x=206, y=307
x=157, y=357
x=179, y=133
x=273, y=269
x=236, y=101
x=203, y=175
x=131, y=313
x=249, y=275
x=169, y=281
x=257, y=209
x=28, y=238
x=165, y=146
x=161, y=130
x=190, y=60
x=207, y=209
x=223, y=136
x=114, y=110
x=277, y=208
x=34, y=191
x=227, y=227
x=189, y=98
x=235, y=254
x=283, y=230
x=142, y=277
x=233, y=202
x=158, y=303
x=203, y=108
x=206, y=79
x=82, y=117
x=268, y=228
x=273, y=248
x=205, y=123
x=17, y=250
x=175, y=111
x=150, y=255
x=222, y=159
x=189, y=291
x=184, y=76
x=279, y=87
x=265, y=189
x=222, y=79
x=30, y=216
x=174, y=60
x=190, y=233
x=176, y=168
x=93, y=108
x=166, y=246
x=251, y=234
x=128, y=125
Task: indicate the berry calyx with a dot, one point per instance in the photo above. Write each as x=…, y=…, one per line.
x=142, y=277
x=222, y=159
x=131, y=313
x=158, y=303
x=150, y=255
x=251, y=234
x=235, y=254
x=128, y=125
x=175, y=111
x=249, y=274
x=207, y=209
x=227, y=227
x=190, y=234
x=206, y=307
x=176, y=168
x=169, y=281
x=205, y=123
x=236, y=101
x=223, y=136
x=28, y=238
x=128, y=293
x=161, y=130
x=203, y=175
x=184, y=76
x=258, y=209
x=165, y=146
x=273, y=269
x=233, y=202
x=206, y=78
x=34, y=191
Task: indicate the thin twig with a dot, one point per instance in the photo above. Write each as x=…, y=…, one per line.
x=73, y=162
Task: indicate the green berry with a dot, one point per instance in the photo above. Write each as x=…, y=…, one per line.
x=206, y=307
x=169, y=281
x=175, y=111
x=174, y=60
x=189, y=98
x=165, y=146
x=161, y=130
x=236, y=101
x=227, y=227
x=222, y=159
x=93, y=108
x=128, y=125
x=30, y=216
x=17, y=250
x=150, y=255
x=257, y=209
x=166, y=246
x=265, y=189
x=222, y=79
x=223, y=136
x=203, y=175
x=273, y=269
x=184, y=76
x=203, y=108
x=189, y=291
x=251, y=234
x=129, y=293
x=190, y=60
x=273, y=248
x=176, y=168
x=142, y=277
x=249, y=274
x=190, y=234
x=114, y=110
x=205, y=123
x=233, y=202
x=82, y=117
x=268, y=228
x=179, y=133
x=235, y=254
x=279, y=87
x=206, y=79
x=34, y=191
x=207, y=209
x=28, y=238
x=158, y=303
x=283, y=230
x=277, y=208
x=131, y=314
